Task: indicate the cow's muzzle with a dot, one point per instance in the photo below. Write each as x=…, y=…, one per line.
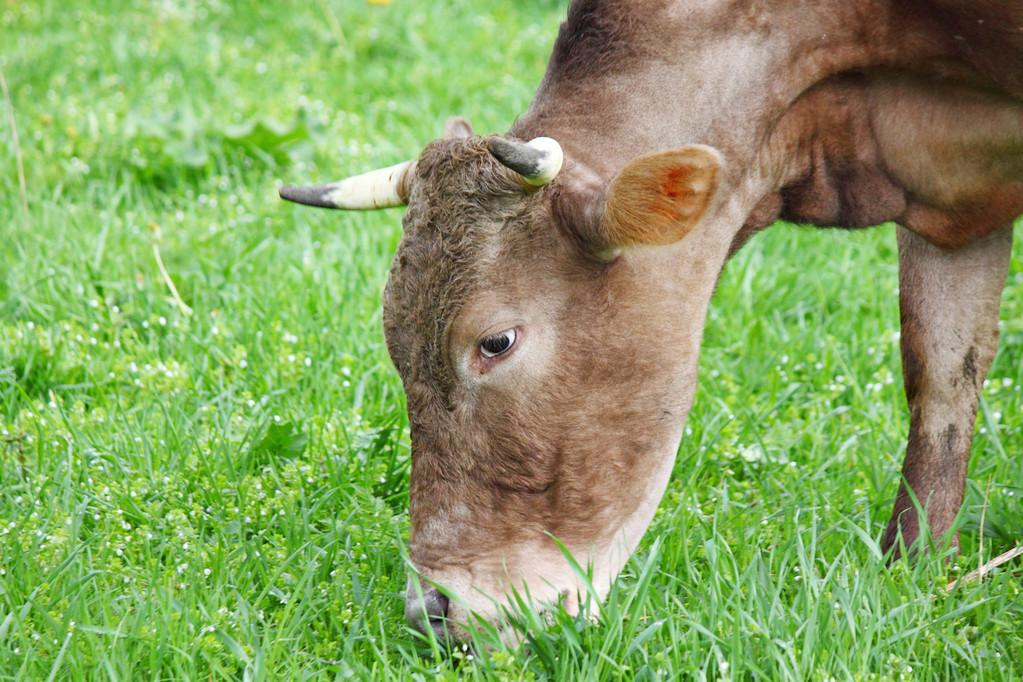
x=427, y=611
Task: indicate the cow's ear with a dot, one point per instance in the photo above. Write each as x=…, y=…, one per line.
x=457, y=127
x=659, y=198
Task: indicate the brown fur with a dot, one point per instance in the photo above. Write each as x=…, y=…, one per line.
x=597, y=36
x=839, y=113
x=949, y=309
x=845, y=185
x=519, y=462
x=987, y=35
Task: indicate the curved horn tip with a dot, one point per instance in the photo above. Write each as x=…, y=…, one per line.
x=381, y=188
x=310, y=195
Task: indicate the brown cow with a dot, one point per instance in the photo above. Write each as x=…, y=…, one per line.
x=546, y=324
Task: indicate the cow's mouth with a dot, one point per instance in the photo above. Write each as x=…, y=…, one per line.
x=510, y=626
x=491, y=616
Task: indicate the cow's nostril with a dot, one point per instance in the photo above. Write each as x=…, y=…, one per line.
x=429, y=611
x=436, y=605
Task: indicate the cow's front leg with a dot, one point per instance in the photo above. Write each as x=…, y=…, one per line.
x=949, y=309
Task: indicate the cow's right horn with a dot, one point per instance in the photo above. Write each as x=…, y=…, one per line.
x=537, y=162
x=382, y=188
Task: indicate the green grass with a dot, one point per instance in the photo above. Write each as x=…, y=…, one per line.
x=225, y=494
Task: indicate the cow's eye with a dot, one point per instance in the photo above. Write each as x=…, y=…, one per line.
x=498, y=344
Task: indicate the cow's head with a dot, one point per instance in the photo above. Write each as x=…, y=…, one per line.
x=539, y=324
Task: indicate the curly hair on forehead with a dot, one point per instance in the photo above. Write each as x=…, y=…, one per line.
x=468, y=170
x=462, y=198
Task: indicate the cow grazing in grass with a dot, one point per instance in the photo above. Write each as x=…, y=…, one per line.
x=546, y=302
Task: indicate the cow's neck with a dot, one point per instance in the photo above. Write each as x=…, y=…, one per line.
x=628, y=78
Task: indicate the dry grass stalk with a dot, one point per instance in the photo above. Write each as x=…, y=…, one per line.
x=983, y=570
x=175, y=296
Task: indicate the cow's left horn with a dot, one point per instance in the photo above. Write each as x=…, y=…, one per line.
x=381, y=188
x=537, y=162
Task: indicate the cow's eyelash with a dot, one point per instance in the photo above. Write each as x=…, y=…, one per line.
x=495, y=345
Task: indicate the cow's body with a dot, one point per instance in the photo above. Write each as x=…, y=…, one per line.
x=686, y=126
x=838, y=114
x=844, y=114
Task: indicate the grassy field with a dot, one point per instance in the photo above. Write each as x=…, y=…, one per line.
x=215, y=485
